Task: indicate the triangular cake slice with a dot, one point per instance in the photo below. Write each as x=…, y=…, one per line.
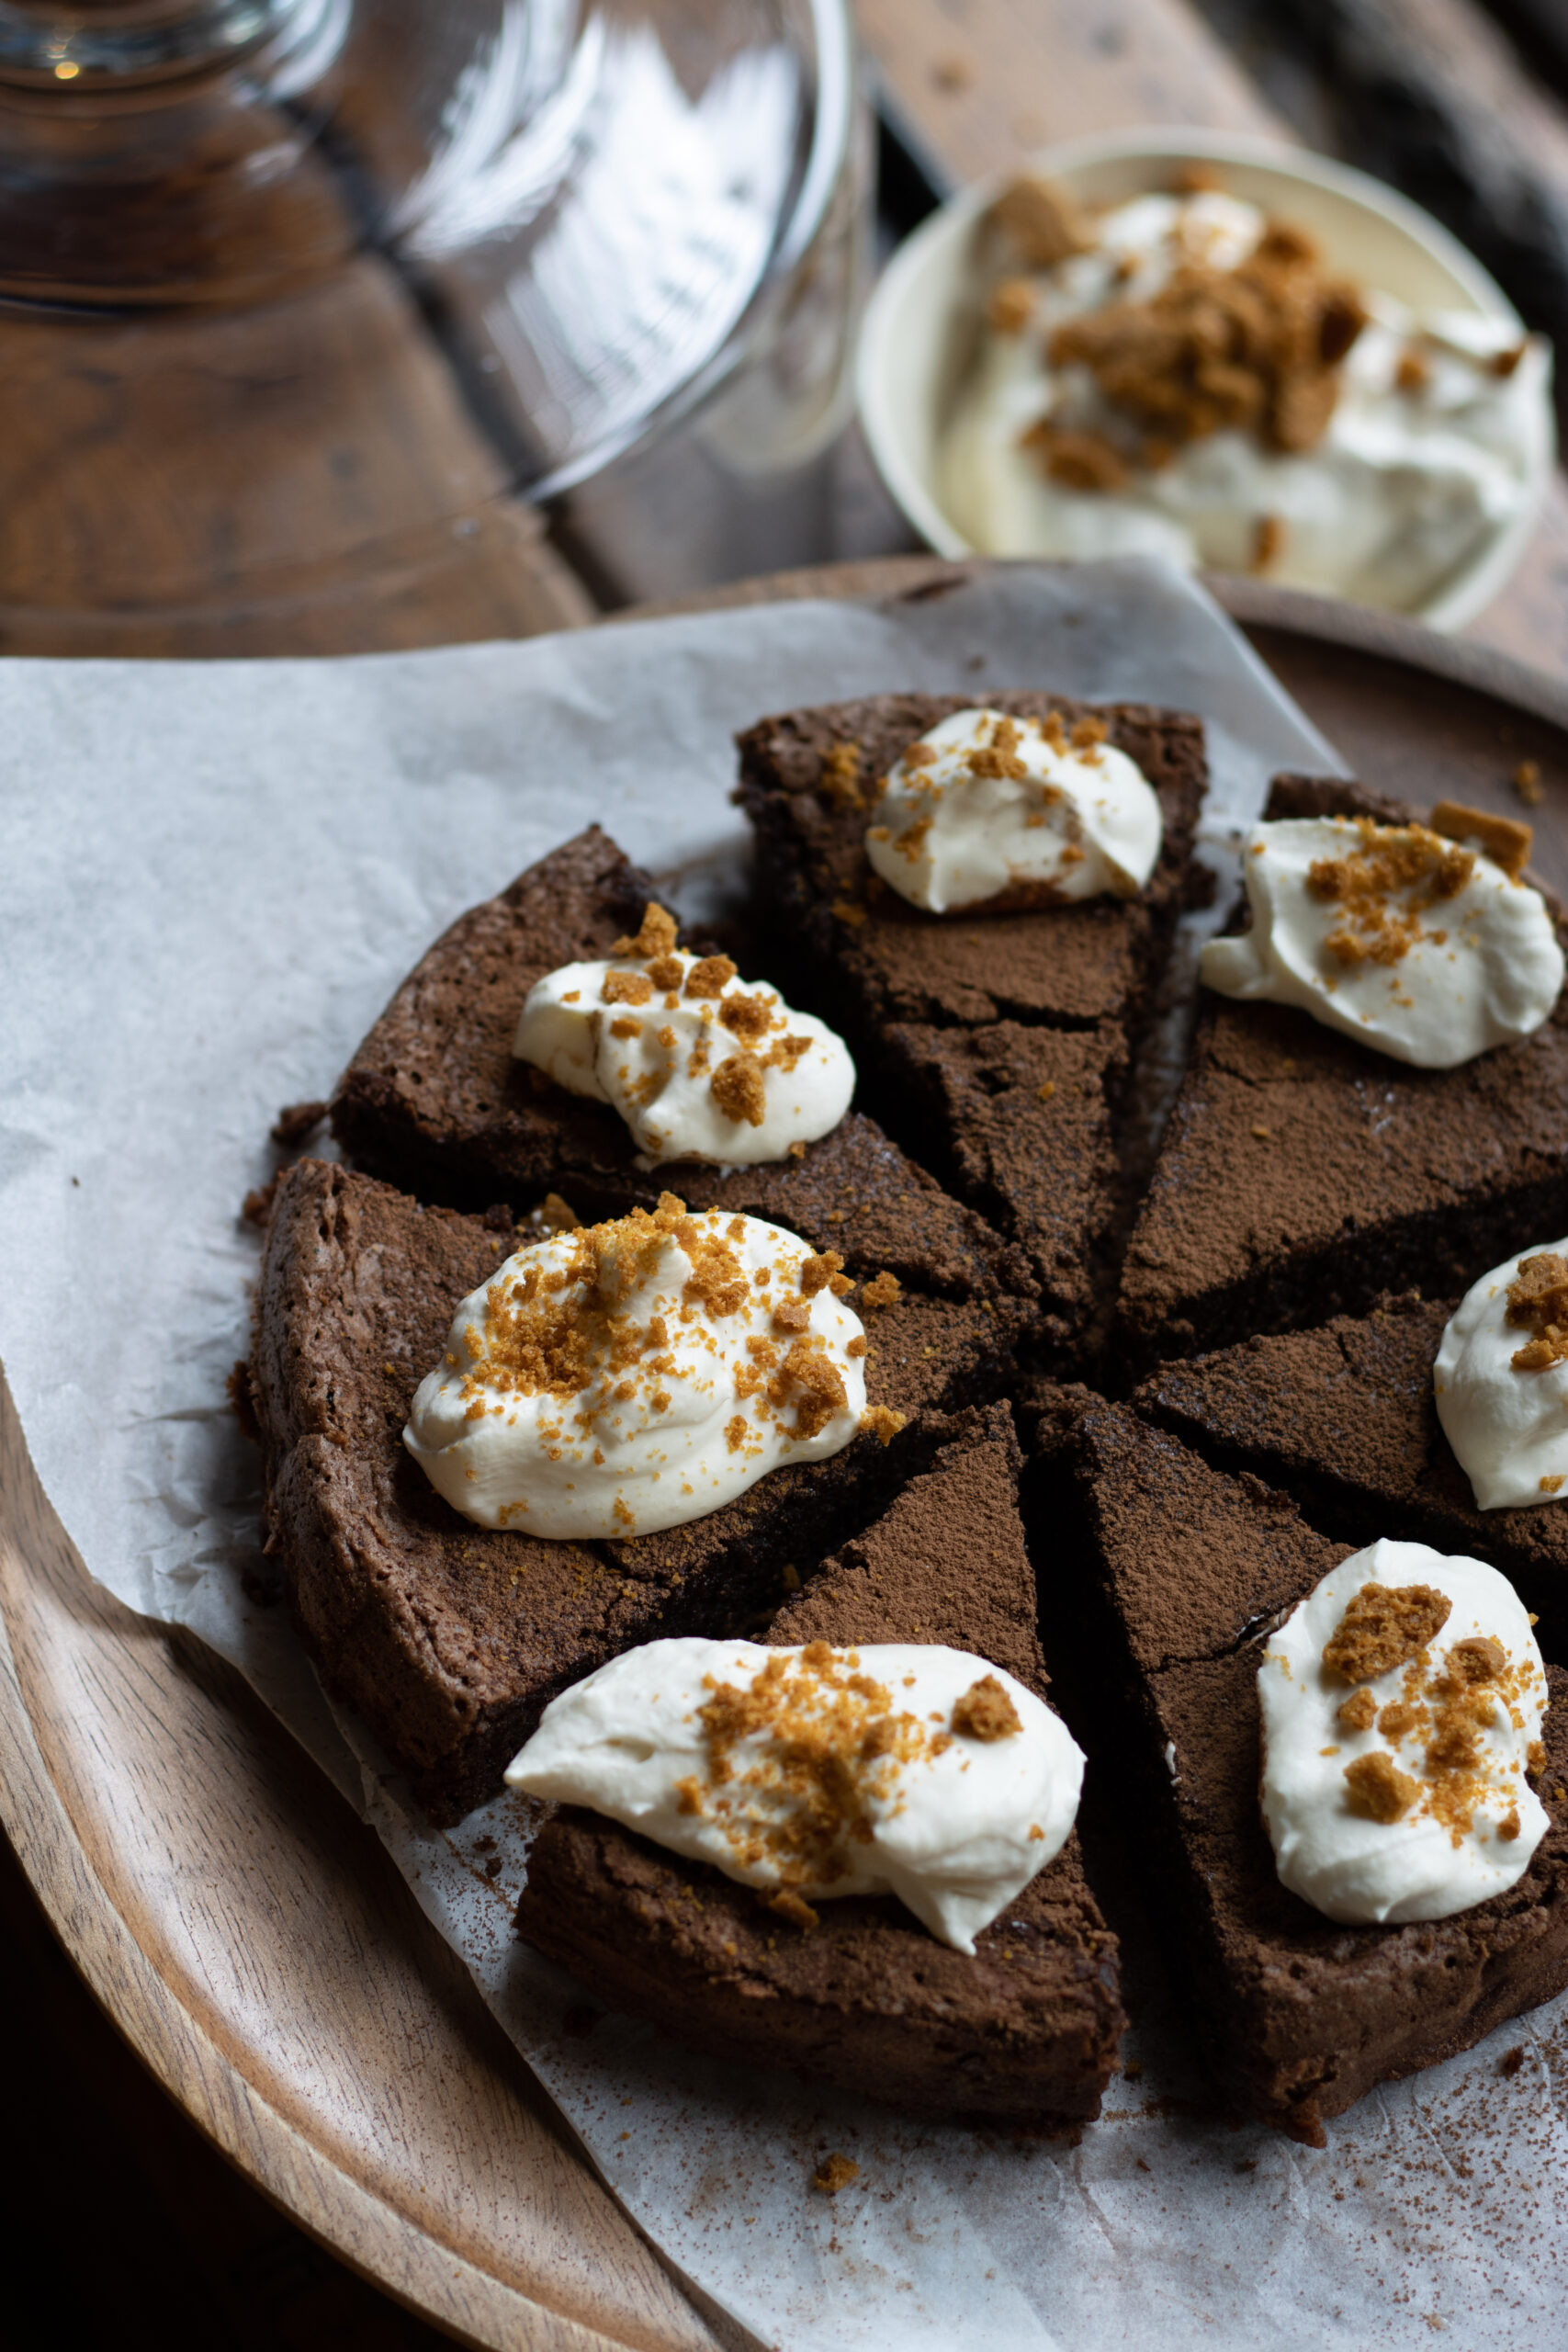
x=433, y=1103
x=1027, y=2029
x=1345, y=1419
x=996, y=1045
x=1177, y=1573
x=1303, y=1173
x=448, y=1638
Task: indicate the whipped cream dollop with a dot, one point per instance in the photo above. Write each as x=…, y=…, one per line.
x=988, y=808
x=624, y=1377
x=895, y=1768
x=1395, y=935
x=699, y=1065
x=1440, y=426
x=1402, y=1708
x=1500, y=1378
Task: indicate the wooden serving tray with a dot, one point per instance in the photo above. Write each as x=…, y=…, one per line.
x=248, y=1934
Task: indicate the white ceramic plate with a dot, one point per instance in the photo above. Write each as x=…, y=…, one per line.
x=920, y=328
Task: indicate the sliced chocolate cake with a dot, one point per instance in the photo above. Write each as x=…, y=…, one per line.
x=995, y=1044
x=447, y=1637
x=1303, y=1173
x=433, y=1103
x=1027, y=2029
x=1344, y=1417
x=1176, y=1573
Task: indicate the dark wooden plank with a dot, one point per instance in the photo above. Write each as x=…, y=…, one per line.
x=301, y=478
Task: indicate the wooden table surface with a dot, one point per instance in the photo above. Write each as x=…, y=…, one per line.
x=317, y=482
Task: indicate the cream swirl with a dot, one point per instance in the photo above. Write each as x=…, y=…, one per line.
x=1402, y=1706
x=1393, y=934
x=620, y=1378
x=984, y=808
x=1501, y=1380
x=902, y=1769
x=699, y=1065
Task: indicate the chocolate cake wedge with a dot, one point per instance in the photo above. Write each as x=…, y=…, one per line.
x=1026, y=2030
x=448, y=1638
x=998, y=1042
x=433, y=1103
x=1303, y=1173
x=1176, y=1573
x=1344, y=1419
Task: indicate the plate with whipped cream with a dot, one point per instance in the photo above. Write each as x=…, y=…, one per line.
x=1235, y=355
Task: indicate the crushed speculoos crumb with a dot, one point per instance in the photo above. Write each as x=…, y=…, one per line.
x=1012, y=306
x=1270, y=533
x=1075, y=457
x=1507, y=841
x=1382, y=888
x=1477, y=1659
x=985, y=1711
x=1257, y=349
x=1042, y=220
x=1357, y=1713
x=739, y=1090
x=658, y=936
x=556, y=1215
x=1537, y=1303
x=812, y=1382
x=840, y=776
x=882, y=1422
x=626, y=987
x=834, y=2173
x=710, y=974
x=1382, y=1626
x=795, y=1909
x=1414, y=372
x=883, y=1290
x=832, y=1744
x=1377, y=1789
x=1527, y=783
x=749, y=1018
x=824, y=1270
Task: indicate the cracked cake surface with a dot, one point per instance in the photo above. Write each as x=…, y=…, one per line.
x=1302, y=1173
x=1186, y=1570
x=1027, y=2029
x=1000, y=1039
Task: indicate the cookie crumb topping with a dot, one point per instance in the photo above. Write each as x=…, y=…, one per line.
x=1382, y=1626
x=1504, y=839
x=657, y=937
x=1383, y=887
x=985, y=1712
x=1537, y=1303
x=1377, y=1789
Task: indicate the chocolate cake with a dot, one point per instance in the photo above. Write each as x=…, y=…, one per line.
x=433, y=1103
x=448, y=1638
x=1027, y=2029
x=1344, y=1419
x=1000, y=1041
x=1303, y=1173
x=1176, y=1573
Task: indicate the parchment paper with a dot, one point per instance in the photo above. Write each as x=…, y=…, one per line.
x=213, y=876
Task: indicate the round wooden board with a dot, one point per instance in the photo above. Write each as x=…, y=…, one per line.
x=247, y=1933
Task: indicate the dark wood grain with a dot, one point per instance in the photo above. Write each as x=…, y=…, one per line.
x=298, y=478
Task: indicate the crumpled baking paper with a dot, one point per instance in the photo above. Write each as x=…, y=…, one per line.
x=214, y=876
